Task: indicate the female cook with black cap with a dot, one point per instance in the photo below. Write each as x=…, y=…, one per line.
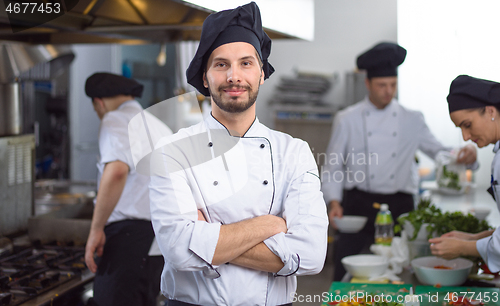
x=474, y=106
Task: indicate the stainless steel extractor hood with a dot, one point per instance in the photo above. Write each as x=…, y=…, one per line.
x=143, y=21
x=16, y=60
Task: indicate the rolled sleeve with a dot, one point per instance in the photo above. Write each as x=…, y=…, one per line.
x=482, y=247
x=291, y=261
x=303, y=248
x=204, y=240
x=489, y=249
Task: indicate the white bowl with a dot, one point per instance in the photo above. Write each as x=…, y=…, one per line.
x=424, y=268
x=365, y=266
x=480, y=212
x=350, y=224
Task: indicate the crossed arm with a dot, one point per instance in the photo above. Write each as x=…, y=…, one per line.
x=242, y=243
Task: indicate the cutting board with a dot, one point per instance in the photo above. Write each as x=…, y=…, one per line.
x=340, y=290
x=436, y=296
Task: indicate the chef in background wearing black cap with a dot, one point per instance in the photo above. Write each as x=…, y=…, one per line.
x=474, y=106
x=239, y=212
x=121, y=233
x=374, y=142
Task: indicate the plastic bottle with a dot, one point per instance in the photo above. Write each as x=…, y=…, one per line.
x=384, y=226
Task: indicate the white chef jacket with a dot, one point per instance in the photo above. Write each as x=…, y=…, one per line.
x=374, y=150
x=114, y=145
x=232, y=179
x=489, y=247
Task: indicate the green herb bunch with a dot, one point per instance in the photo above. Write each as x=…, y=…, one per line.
x=450, y=179
x=439, y=222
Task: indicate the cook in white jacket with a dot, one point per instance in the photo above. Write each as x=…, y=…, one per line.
x=121, y=233
x=474, y=108
x=371, y=154
x=236, y=207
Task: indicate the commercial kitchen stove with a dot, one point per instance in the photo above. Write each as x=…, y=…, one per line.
x=43, y=275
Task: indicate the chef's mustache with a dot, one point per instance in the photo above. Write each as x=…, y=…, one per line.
x=226, y=87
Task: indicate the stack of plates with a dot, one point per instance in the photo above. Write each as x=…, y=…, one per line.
x=302, y=89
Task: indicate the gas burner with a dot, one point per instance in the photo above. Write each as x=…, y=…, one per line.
x=34, y=271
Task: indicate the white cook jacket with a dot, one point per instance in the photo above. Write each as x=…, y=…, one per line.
x=232, y=179
x=114, y=145
x=489, y=247
x=374, y=150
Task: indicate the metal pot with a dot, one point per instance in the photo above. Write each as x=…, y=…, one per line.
x=52, y=195
x=10, y=110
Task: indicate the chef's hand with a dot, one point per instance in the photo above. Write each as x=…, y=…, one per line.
x=467, y=155
x=449, y=248
x=336, y=210
x=95, y=244
x=459, y=235
x=282, y=224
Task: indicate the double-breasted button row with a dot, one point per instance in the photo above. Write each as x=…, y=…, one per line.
x=265, y=182
x=210, y=144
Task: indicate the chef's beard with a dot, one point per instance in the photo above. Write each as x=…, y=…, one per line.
x=233, y=106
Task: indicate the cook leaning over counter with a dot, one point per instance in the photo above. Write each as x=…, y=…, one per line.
x=371, y=154
x=474, y=106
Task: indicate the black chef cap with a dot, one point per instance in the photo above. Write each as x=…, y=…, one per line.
x=468, y=92
x=242, y=24
x=382, y=60
x=103, y=84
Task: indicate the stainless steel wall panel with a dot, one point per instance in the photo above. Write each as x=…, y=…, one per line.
x=16, y=182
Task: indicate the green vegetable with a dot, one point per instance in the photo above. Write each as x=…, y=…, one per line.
x=439, y=222
x=450, y=179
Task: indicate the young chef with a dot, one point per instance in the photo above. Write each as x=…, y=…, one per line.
x=474, y=108
x=239, y=212
x=121, y=232
x=377, y=139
